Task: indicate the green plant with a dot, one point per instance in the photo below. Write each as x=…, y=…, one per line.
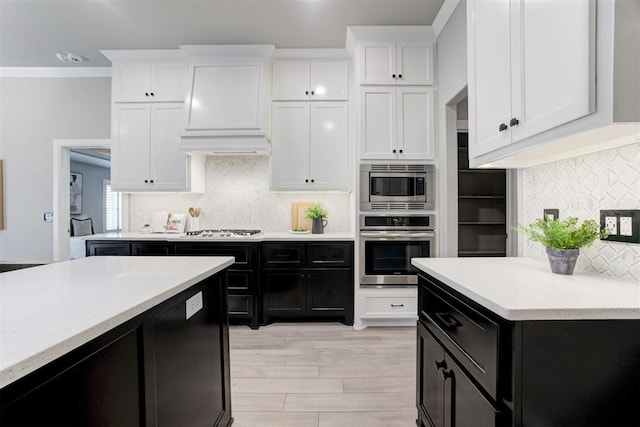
x=563, y=233
x=315, y=211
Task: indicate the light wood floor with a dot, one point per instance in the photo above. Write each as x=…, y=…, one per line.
x=322, y=375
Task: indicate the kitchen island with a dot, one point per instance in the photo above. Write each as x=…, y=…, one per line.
x=115, y=341
x=503, y=341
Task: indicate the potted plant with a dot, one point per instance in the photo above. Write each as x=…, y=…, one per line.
x=317, y=214
x=563, y=239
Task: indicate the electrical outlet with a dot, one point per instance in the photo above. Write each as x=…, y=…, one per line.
x=551, y=214
x=625, y=226
x=611, y=225
x=193, y=305
x=48, y=216
x=622, y=225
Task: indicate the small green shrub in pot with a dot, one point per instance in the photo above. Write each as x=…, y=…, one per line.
x=317, y=214
x=563, y=239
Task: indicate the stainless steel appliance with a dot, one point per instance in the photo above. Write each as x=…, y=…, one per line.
x=387, y=244
x=397, y=187
x=222, y=233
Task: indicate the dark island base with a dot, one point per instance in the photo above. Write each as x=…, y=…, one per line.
x=158, y=369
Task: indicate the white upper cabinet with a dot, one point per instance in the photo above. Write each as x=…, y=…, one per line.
x=228, y=98
x=531, y=68
x=397, y=123
x=146, y=154
x=143, y=82
x=310, y=146
x=401, y=63
x=296, y=80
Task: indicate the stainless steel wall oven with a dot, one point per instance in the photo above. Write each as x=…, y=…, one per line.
x=387, y=244
x=397, y=187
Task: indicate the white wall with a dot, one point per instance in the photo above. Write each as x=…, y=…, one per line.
x=34, y=112
x=452, y=83
x=581, y=187
x=92, y=192
x=237, y=196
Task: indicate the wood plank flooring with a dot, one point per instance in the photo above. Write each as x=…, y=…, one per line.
x=322, y=375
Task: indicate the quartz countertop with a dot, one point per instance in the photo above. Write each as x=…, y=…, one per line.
x=526, y=289
x=262, y=237
x=49, y=310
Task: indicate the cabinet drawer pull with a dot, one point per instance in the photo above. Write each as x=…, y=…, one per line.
x=502, y=127
x=448, y=321
x=441, y=364
x=447, y=374
x=513, y=122
x=397, y=305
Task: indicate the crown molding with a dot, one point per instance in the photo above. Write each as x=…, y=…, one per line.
x=54, y=72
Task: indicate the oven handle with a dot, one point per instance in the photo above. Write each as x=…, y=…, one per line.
x=397, y=235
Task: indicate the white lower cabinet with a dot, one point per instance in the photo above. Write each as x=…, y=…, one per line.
x=388, y=303
x=397, y=123
x=146, y=155
x=310, y=146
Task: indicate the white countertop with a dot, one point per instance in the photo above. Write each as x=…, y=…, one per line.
x=526, y=289
x=49, y=310
x=262, y=237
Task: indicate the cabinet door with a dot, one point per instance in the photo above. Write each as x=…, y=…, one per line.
x=168, y=82
x=489, y=71
x=290, y=81
x=108, y=248
x=430, y=387
x=416, y=123
x=225, y=97
x=131, y=83
x=414, y=63
x=130, y=166
x=329, y=80
x=329, y=146
x=152, y=249
x=168, y=161
x=378, y=63
x=290, y=146
x=378, y=117
x=284, y=294
x=553, y=71
x=329, y=293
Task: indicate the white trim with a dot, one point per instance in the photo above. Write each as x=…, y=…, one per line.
x=441, y=19
x=310, y=54
x=54, y=72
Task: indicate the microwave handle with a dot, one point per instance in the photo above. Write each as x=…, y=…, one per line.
x=396, y=235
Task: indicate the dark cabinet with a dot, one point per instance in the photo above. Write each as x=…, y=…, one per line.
x=152, y=248
x=307, y=281
x=100, y=248
x=476, y=368
x=242, y=277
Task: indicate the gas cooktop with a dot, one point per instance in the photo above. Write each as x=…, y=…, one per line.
x=227, y=232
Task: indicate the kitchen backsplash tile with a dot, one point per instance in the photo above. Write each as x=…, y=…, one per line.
x=237, y=196
x=581, y=187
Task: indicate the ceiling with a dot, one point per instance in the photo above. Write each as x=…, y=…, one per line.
x=33, y=31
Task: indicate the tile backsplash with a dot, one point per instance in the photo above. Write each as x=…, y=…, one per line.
x=581, y=187
x=237, y=196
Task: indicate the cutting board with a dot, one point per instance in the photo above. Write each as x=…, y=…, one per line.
x=298, y=221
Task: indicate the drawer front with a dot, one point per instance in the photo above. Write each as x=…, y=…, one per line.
x=330, y=255
x=389, y=307
x=108, y=248
x=240, y=306
x=151, y=249
x=282, y=255
x=467, y=334
x=244, y=254
x=240, y=281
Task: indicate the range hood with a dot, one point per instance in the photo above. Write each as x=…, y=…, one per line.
x=226, y=108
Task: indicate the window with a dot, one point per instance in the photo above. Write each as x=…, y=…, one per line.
x=112, y=208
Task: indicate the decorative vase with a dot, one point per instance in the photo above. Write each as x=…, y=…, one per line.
x=318, y=225
x=563, y=261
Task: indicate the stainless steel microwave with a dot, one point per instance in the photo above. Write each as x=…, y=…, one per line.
x=397, y=187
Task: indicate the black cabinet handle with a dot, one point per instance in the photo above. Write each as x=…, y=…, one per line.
x=400, y=151
x=153, y=94
x=397, y=305
x=306, y=180
x=441, y=364
x=313, y=180
x=151, y=181
x=502, y=127
x=394, y=151
x=448, y=321
x=513, y=122
x=393, y=75
x=146, y=181
x=146, y=94
x=447, y=374
x=399, y=76
x=313, y=93
x=302, y=276
x=306, y=92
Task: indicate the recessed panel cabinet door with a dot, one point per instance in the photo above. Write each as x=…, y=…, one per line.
x=130, y=150
x=329, y=80
x=415, y=63
x=168, y=161
x=290, y=81
x=430, y=384
x=416, y=121
x=378, y=63
x=378, y=116
x=329, y=146
x=290, y=146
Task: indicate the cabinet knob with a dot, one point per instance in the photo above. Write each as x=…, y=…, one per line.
x=146, y=94
x=394, y=151
x=399, y=76
x=313, y=180
x=151, y=181
x=441, y=364
x=306, y=180
x=306, y=92
x=302, y=276
x=393, y=76
x=502, y=127
x=146, y=181
x=513, y=122
x=152, y=94
x=401, y=151
x=313, y=92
